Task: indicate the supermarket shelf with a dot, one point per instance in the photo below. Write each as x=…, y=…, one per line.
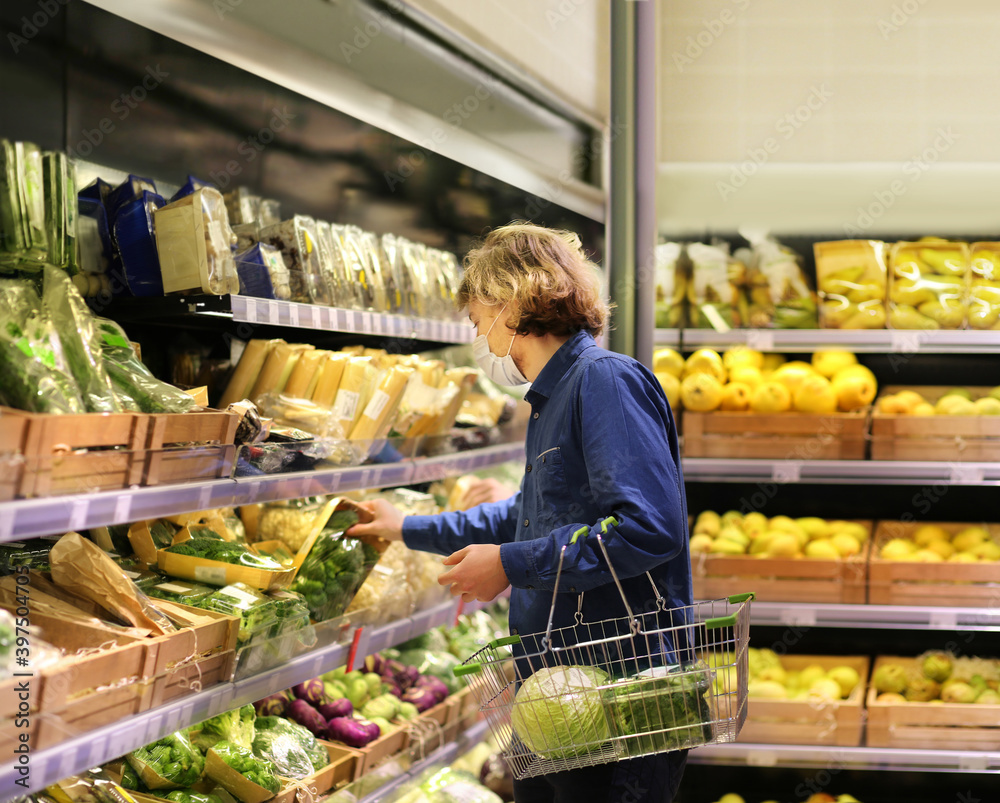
x=31, y=517
x=882, y=341
x=852, y=472
x=335, y=319
x=116, y=739
x=667, y=337
x=872, y=617
x=844, y=758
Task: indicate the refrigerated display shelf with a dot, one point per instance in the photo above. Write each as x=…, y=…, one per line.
x=112, y=741
x=867, y=617
x=836, y=472
x=848, y=758
x=881, y=341
x=26, y=518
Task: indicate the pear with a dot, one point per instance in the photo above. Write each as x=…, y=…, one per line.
x=738, y=356
x=847, y=678
x=734, y=534
x=723, y=546
x=705, y=361
x=867, y=291
x=983, y=316
x=941, y=547
x=987, y=551
x=784, y=545
x=824, y=689
x=792, y=374
x=823, y=548
x=835, y=313
x=926, y=533
x=700, y=543
x=736, y=397
x=746, y=375
x=870, y=315
x=948, y=314
x=767, y=689
x=945, y=262
x=827, y=362
x=814, y=526
x=987, y=406
x=811, y=674
x=854, y=393
x=708, y=522
x=814, y=394
x=841, y=277
x=910, y=292
x=897, y=549
x=845, y=544
x=668, y=361
x=770, y=397
x=969, y=538
x=701, y=392
x=902, y=316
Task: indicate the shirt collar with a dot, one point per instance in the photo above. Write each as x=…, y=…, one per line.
x=553, y=371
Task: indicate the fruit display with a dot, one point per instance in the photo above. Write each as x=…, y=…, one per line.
x=852, y=279
x=795, y=678
x=816, y=797
x=937, y=676
x=984, y=286
x=742, y=379
x=937, y=543
x=928, y=284
x=927, y=401
x=753, y=533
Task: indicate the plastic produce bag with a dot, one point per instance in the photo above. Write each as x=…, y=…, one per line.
x=670, y=286
x=332, y=572
x=852, y=278
x=715, y=291
x=386, y=593
x=779, y=295
x=984, y=289
x=134, y=384
x=928, y=285
x=290, y=748
x=170, y=762
x=297, y=241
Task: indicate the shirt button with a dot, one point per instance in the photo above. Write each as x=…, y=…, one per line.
x=535, y=415
x=525, y=522
x=528, y=469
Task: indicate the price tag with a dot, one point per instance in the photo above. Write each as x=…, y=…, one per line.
x=334, y=482
x=78, y=514
x=969, y=762
x=797, y=617
x=340, y=320
x=966, y=475
x=205, y=497
x=316, y=317
x=366, y=323
x=293, y=314
x=902, y=341
x=943, y=620
x=7, y=527
x=365, y=477
x=250, y=310
x=786, y=471
x=762, y=758
x=123, y=508
x=760, y=339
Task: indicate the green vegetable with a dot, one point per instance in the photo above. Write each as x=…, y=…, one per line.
x=188, y=796
x=130, y=780
x=439, y=664
x=668, y=711
x=334, y=570
x=558, y=712
x=173, y=758
x=235, y=726
x=182, y=591
x=244, y=762
x=225, y=552
x=291, y=748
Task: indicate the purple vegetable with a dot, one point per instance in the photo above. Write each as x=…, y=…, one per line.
x=421, y=698
x=337, y=708
x=308, y=717
x=375, y=663
x=274, y=705
x=433, y=684
x=312, y=691
x=408, y=676
x=392, y=687
x=496, y=776
x=352, y=731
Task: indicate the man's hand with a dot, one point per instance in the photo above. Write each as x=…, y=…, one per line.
x=477, y=573
x=482, y=491
x=387, y=524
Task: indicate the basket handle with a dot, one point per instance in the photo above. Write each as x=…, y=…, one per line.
x=736, y=599
x=466, y=669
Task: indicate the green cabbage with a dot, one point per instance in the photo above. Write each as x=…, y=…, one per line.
x=558, y=711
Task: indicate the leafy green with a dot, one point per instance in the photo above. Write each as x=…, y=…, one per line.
x=244, y=762
x=225, y=552
x=256, y=610
x=173, y=758
x=664, y=710
x=291, y=748
x=188, y=796
x=235, y=726
x=333, y=571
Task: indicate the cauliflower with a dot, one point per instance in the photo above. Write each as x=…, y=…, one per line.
x=287, y=523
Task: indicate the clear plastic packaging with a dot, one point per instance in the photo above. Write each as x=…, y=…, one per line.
x=243, y=207
x=359, y=269
x=296, y=239
x=415, y=262
x=715, y=292
x=670, y=286
x=332, y=573
x=192, y=185
x=331, y=262
x=852, y=278
x=292, y=522
x=263, y=273
x=23, y=239
x=928, y=285
x=194, y=243
x=984, y=286
x=779, y=294
x=402, y=298
x=58, y=186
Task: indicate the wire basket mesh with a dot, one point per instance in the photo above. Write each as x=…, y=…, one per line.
x=593, y=693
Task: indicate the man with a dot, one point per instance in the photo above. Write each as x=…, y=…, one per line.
x=601, y=442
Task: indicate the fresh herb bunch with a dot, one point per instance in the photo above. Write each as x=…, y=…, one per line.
x=225, y=552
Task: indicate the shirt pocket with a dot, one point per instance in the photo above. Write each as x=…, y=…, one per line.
x=551, y=492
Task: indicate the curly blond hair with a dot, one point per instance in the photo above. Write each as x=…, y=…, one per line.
x=542, y=275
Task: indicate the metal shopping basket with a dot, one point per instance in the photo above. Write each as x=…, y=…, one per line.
x=592, y=693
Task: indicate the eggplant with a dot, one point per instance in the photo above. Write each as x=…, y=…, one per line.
x=352, y=731
x=308, y=717
x=312, y=691
x=337, y=708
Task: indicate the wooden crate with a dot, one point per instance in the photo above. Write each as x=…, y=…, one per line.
x=948, y=584
x=341, y=770
x=190, y=446
x=467, y=708
x=808, y=722
x=76, y=676
x=374, y=753
x=783, y=579
x=217, y=636
x=930, y=726
x=777, y=436
x=13, y=433
x=192, y=677
x=93, y=711
x=16, y=732
x=956, y=438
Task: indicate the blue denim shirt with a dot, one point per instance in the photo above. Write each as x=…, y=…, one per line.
x=601, y=442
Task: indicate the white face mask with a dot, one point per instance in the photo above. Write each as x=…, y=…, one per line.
x=501, y=370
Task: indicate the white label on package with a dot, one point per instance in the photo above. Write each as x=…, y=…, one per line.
x=377, y=404
x=293, y=314
x=215, y=575
x=382, y=569
x=130, y=575
x=172, y=588
x=346, y=404
x=242, y=596
x=123, y=508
